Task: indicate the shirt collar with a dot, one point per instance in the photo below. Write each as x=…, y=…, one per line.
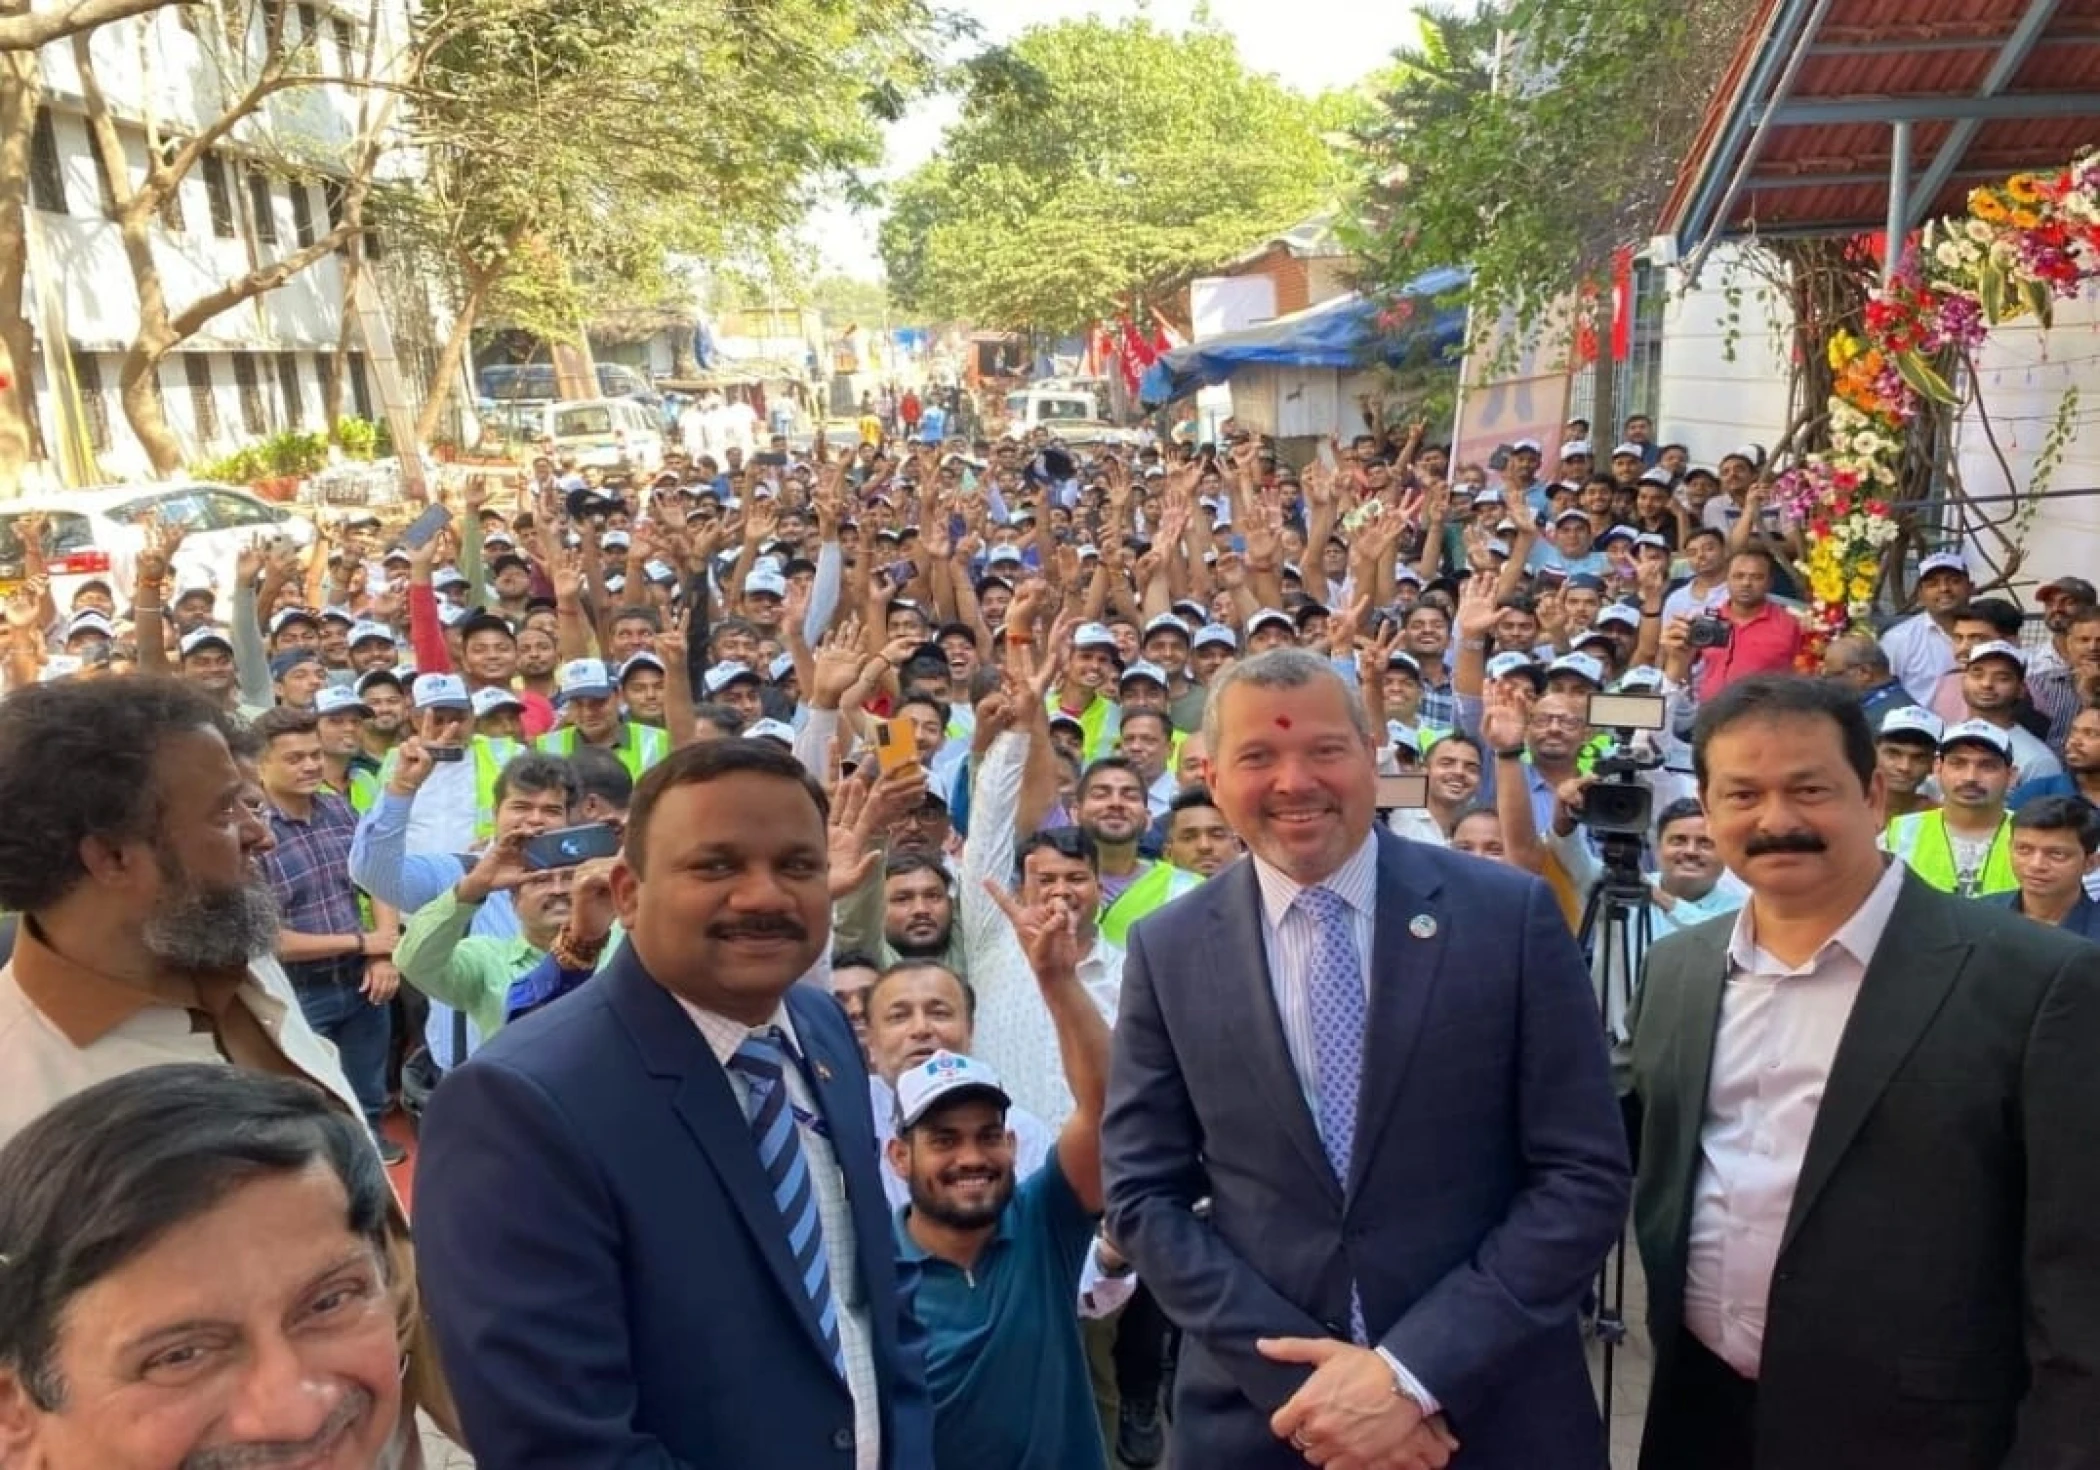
x=725, y=1034
x=84, y=1004
x=1355, y=882
x=1857, y=936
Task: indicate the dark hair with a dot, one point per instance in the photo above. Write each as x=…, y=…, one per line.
x=2060, y=814
x=1166, y=724
x=97, y=1180
x=731, y=625
x=284, y=720
x=636, y=614
x=77, y=761
x=599, y=773
x=1106, y=763
x=1787, y=696
x=938, y=706
x=1681, y=810
x=902, y=864
x=1458, y=737
x=2005, y=619
x=711, y=760
x=1438, y=608
x=1713, y=531
x=1472, y=809
x=904, y=967
x=854, y=959
x=242, y=740
x=1071, y=842
x=536, y=771
x=721, y=716
x=1761, y=553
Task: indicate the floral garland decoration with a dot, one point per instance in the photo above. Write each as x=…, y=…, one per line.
x=2017, y=248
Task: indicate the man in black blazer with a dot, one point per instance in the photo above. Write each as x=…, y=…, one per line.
x=1869, y=1199
x=1433, y=1261
x=648, y=1219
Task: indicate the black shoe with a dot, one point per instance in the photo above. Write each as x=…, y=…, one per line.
x=1140, y=1442
x=390, y=1152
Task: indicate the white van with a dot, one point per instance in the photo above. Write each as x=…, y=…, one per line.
x=607, y=433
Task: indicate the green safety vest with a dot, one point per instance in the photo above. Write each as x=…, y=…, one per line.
x=1920, y=840
x=639, y=746
x=490, y=755
x=1097, y=739
x=1157, y=887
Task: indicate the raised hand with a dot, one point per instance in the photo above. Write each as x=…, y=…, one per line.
x=1049, y=934
x=838, y=664
x=1476, y=607
x=25, y=605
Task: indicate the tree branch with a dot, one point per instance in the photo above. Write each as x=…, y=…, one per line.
x=42, y=27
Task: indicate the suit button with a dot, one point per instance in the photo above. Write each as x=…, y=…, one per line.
x=842, y=1439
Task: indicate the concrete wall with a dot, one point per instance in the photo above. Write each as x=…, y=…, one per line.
x=1723, y=382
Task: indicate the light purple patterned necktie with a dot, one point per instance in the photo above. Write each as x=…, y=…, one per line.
x=1335, y=998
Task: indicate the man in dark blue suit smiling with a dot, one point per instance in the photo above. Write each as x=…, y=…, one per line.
x=1382, y=1064
x=648, y=1219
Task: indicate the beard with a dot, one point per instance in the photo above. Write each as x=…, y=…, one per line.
x=909, y=947
x=962, y=1217
x=193, y=927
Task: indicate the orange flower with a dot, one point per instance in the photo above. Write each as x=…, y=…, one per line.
x=2026, y=219
x=1986, y=206
x=2025, y=188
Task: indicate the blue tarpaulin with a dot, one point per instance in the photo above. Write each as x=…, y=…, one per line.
x=1335, y=334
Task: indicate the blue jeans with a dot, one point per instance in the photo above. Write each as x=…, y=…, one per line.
x=363, y=1034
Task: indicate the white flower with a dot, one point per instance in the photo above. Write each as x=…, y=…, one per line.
x=1979, y=231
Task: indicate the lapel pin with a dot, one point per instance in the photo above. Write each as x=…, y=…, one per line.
x=1422, y=926
x=823, y=1072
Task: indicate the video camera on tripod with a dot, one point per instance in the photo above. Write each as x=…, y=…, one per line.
x=1618, y=806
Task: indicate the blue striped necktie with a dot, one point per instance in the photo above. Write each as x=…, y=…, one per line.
x=762, y=1059
x=1339, y=1010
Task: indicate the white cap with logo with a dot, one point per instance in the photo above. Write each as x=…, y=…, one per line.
x=941, y=1077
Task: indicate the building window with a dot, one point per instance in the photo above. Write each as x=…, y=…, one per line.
x=255, y=414
x=310, y=24
x=47, y=178
x=218, y=193
x=324, y=374
x=302, y=212
x=265, y=207
x=345, y=44
x=94, y=404
x=106, y=192
x=332, y=201
x=360, y=389
x=288, y=386
x=204, y=407
x=171, y=202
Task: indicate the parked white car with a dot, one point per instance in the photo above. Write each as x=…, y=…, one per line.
x=97, y=534
x=606, y=432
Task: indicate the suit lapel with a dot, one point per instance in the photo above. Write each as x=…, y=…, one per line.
x=1404, y=969
x=672, y=1048
x=1238, y=953
x=841, y=1086
x=1700, y=985
x=1915, y=965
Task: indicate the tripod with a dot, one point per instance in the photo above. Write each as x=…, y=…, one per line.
x=1618, y=922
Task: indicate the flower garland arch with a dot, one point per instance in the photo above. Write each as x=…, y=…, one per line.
x=2018, y=247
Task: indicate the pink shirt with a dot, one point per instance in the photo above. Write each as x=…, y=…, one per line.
x=1767, y=642
x=1778, y=1034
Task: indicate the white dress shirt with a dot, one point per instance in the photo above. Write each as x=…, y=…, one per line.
x=1014, y=1032
x=834, y=1218
x=1778, y=1035
x=1288, y=940
x=1918, y=654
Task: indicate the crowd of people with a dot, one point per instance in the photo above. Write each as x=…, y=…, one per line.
x=965, y=952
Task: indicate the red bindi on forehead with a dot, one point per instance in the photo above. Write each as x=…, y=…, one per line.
x=1283, y=722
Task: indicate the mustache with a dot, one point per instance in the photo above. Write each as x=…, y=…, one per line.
x=1805, y=842
x=354, y=1407
x=774, y=926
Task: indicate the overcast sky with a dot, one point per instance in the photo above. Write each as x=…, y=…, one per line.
x=1310, y=44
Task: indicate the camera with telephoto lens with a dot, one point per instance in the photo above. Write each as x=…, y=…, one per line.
x=1619, y=803
x=1707, y=631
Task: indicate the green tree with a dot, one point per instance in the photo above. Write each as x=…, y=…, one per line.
x=1093, y=161
x=576, y=144
x=1530, y=140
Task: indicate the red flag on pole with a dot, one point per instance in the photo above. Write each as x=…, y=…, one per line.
x=1621, y=303
x=1585, y=348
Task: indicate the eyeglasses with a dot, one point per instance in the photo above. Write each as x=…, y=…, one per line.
x=1559, y=722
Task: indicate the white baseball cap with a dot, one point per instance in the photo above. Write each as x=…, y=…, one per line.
x=1628, y=448
x=1268, y=616
x=339, y=699
x=442, y=691
x=1579, y=664
x=1143, y=669
x=726, y=673
x=370, y=632
x=1218, y=634
x=770, y=729
x=1094, y=635
x=643, y=659
x=764, y=581
x=198, y=638
x=488, y=701
x=1977, y=732
x=1999, y=648
x=1942, y=561
x=1911, y=720
x=941, y=1077
x=585, y=677
x=1576, y=447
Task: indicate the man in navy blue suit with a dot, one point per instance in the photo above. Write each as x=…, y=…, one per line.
x=648, y=1220
x=1382, y=1065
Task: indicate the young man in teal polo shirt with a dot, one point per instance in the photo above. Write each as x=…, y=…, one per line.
x=999, y=1263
